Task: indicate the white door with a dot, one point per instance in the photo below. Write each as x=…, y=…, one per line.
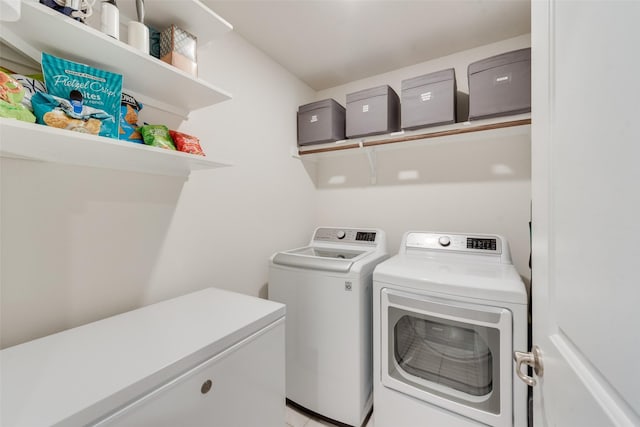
x=586, y=211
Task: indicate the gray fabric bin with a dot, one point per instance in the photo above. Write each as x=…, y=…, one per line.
x=500, y=85
x=429, y=100
x=321, y=121
x=372, y=112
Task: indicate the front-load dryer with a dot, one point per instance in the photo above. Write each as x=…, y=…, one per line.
x=448, y=311
x=327, y=288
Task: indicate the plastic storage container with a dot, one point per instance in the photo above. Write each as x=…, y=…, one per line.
x=321, y=121
x=429, y=100
x=500, y=85
x=373, y=111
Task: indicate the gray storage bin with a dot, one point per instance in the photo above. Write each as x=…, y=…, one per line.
x=373, y=111
x=321, y=121
x=429, y=100
x=500, y=85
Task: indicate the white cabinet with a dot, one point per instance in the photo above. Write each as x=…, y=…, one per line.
x=240, y=387
x=151, y=81
x=148, y=367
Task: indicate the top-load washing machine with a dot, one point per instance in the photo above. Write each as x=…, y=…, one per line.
x=327, y=288
x=448, y=311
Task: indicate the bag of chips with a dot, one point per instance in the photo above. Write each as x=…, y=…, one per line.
x=84, y=86
x=186, y=143
x=11, y=95
x=157, y=136
x=31, y=83
x=63, y=114
x=129, y=109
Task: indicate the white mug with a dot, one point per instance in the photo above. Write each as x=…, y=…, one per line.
x=138, y=36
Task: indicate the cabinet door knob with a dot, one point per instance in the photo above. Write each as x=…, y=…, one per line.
x=206, y=386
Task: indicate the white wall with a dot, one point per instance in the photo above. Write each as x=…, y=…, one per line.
x=80, y=244
x=478, y=185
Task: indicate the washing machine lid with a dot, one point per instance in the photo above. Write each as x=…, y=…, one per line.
x=339, y=260
x=453, y=277
x=337, y=249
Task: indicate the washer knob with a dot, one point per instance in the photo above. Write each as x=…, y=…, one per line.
x=444, y=241
x=341, y=234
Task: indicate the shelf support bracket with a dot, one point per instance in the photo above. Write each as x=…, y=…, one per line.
x=295, y=153
x=373, y=172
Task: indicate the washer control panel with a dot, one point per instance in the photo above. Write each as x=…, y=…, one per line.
x=346, y=235
x=486, y=244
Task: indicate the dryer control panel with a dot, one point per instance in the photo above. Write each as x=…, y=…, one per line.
x=477, y=243
x=346, y=235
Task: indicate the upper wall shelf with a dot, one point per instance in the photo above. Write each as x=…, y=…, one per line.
x=519, y=124
x=479, y=129
x=192, y=16
x=41, y=29
x=23, y=140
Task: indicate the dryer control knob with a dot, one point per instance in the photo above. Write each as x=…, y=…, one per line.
x=341, y=234
x=444, y=241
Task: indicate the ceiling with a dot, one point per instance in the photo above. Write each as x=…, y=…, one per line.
x=327, y=43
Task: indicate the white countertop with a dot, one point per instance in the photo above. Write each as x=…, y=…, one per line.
x=78, y=375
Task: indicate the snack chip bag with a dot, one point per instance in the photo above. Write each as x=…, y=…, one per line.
x=157, y=136
x=186, y=143
x=84, y=87
x=129, y=109
x=11, y=90
x=11, y=94
x=63, y=114
x=31, y=83
x=31, y=86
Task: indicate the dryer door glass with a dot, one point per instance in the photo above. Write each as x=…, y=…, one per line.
x=455, y=356
x=438, y=349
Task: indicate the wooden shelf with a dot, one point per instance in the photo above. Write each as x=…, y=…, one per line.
x=23, y=140
x=482, y=128
x=41, y=29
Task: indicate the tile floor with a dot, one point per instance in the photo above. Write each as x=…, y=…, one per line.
x=295, y=418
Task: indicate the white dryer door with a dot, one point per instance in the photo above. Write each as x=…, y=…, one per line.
x=452, y=354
